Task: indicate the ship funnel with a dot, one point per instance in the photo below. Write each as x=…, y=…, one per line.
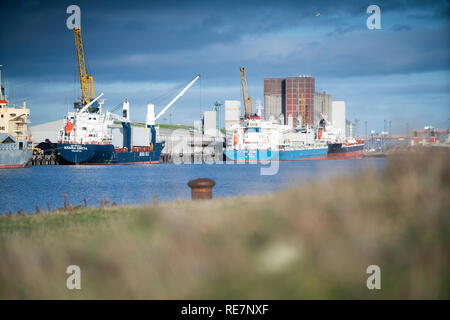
x=126, y=109
x=150, y=117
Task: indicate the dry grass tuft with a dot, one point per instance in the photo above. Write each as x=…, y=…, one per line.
x=312, y=242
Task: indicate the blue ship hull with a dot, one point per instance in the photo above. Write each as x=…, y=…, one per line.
x=283, y=155
x=106, y=154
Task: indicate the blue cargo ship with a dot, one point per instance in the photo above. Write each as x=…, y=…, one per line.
x=256, y=140
x=317, y=153
x=107, y=154
x=86, y=138
x=93, y=154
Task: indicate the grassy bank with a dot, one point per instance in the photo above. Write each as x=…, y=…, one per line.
x=311, y=242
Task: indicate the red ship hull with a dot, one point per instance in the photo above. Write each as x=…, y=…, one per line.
x=345, y=150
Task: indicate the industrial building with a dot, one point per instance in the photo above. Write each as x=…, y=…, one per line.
x=44, y=131
x=322, y=105
x=338, y=117
x=285, y=97
x=274, y=99
x=232, y=113
x=350, y=129
x=210, y=123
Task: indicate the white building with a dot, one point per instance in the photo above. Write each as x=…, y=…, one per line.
x=322, y=105
x=232, y=113
x=350, y=129
x=338, y=118
x=210, y=123
x=48, y=130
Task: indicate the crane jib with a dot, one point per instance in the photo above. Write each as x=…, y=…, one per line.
x=86, y=80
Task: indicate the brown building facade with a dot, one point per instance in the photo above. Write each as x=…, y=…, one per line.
x=283, y=97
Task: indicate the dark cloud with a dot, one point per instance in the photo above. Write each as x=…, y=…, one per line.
x=400, y=27
x=38, y=44
x=344, y=29
x=172, y=40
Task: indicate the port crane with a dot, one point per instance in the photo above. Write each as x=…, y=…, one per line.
x=177, y=97
x=86, y=80
x=248, y=102
x=151, y=118
x=302, y=103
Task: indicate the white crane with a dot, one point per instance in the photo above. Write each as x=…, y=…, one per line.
x=89, y=104
x=151, y=118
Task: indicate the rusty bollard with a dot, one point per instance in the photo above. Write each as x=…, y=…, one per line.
x=201, y=188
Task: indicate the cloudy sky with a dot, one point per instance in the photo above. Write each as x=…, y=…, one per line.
x=144, y=50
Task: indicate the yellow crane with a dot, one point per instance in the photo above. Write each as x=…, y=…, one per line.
x=86, y=80
x=248, y=102
x=302, y=110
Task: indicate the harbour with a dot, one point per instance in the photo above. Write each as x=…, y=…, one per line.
x=211, y=151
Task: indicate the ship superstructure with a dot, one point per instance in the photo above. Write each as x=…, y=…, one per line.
x=16, y=147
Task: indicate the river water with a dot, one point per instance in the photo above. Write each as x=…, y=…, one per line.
x=23, y=189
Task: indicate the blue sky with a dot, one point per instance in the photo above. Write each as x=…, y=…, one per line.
x=142, y=49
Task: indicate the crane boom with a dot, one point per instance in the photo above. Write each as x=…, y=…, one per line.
x=90, y=103
x=177, y=97
x=86, y=80
x=248, y=102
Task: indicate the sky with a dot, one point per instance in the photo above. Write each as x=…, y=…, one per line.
x=145, y=50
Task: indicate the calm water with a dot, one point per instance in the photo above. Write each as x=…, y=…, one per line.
x=22, y=189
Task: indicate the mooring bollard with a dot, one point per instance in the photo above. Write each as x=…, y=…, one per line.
x=201, y=188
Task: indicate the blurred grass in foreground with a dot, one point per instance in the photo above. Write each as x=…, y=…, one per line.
x=313, y=242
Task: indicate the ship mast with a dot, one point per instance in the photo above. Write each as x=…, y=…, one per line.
x=1, y=86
